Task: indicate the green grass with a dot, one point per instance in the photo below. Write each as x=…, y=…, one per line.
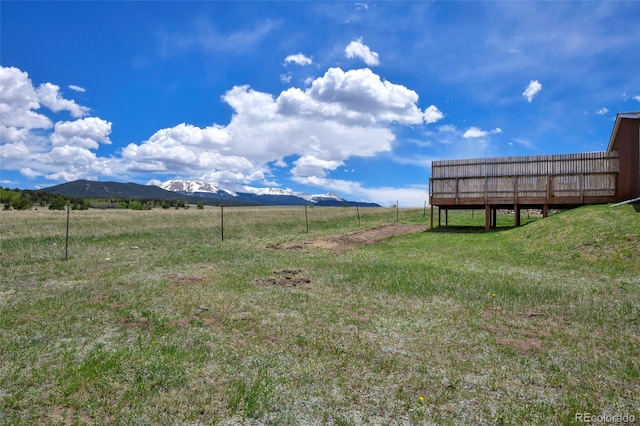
x=154, y=320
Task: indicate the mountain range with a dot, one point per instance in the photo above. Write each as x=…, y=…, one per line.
x=196, y=191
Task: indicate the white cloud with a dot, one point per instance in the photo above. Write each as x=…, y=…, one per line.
x=340, y=114
x=602, y=111
x=406, y=196
x=87, y=133
x=357, y=49
x=49, y=96
x=432, y=114
x=298, y=59
x=447, y=128
x=18, y=101
x=309, y=165
x=285, y=78
x=524, y=142
x=362, y=96
x=637, y=98
x=27, y=142
x=475, y=132
x=77, y=88
x=532, y=90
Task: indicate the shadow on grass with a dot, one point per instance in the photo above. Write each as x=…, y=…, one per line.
x=468, y=229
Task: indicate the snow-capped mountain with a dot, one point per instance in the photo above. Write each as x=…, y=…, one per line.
x=277, y=196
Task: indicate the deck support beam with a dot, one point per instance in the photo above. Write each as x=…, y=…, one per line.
x=487, y=217
x=516, y=215
x=431, y=213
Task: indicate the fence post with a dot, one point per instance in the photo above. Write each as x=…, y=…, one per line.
x=397, y=212
x=358, y=211
x=306, y=216
x=222, y=222
x=66, y=241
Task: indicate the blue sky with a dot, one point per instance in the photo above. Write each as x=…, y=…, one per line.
x=355, y=98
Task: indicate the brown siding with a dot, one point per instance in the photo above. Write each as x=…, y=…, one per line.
x=627, y=144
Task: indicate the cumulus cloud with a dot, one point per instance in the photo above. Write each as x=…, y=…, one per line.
x=49, y=96
x=357, y=49
x=312, y=131
x=19, y=100
x=29, y=140
x=602, y=111
x=432, y=114
x=361, y=96
x=532, y=90
x=342, y=114
x=298, y=59
x=87, y=133
x=309, y=165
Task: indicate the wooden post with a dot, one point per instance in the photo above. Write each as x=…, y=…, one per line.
x=358, y=211
x=487, y=217
x=516, y=215
x=545, y=210
x=431, y=208
x=446, y=217
x=222, y=222
x=439, y=217
x=306, y=216
x=66, y=241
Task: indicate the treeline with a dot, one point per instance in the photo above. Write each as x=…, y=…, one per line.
x=138, y=204
x=25, y=199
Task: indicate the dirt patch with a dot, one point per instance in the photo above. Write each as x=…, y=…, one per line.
x=527, y=341
x=285, y=278
x=352, y=239
x=521, y=345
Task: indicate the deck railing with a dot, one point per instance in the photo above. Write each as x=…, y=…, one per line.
x=550, y=179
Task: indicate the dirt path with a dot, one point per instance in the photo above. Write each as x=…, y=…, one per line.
x=365, y=236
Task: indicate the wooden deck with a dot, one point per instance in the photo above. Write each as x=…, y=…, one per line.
x=546, y=181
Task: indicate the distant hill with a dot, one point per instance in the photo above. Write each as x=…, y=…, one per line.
x=195, y=192
x=91, y=189
x=129, y=191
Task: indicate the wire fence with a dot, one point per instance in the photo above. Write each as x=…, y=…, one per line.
x=70, y=232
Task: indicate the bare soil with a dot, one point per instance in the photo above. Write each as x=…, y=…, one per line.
x=352, y=239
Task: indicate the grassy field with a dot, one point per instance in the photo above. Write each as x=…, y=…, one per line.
x=154, y=320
